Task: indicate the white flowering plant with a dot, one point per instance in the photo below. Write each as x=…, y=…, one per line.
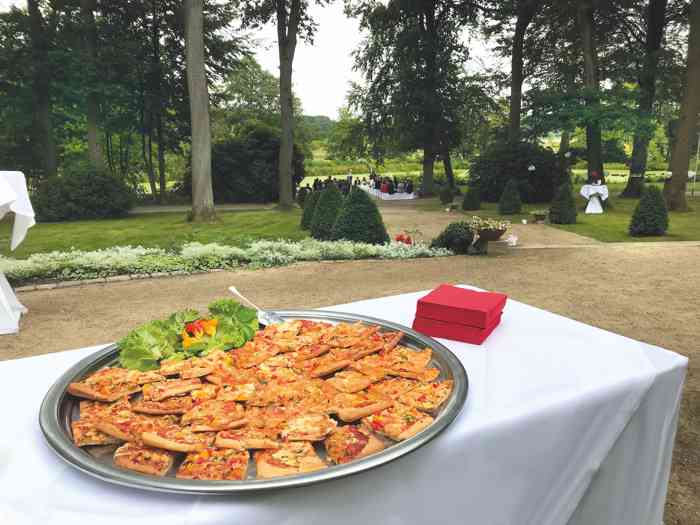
x=477, y=224
x=194, y=256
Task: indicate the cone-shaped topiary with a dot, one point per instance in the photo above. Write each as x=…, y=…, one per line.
x=359, y=220
x=446, y=195
x=472, y=199
x=650, y=217
x=326, y=212
x=563, y=208
x=309, y=207
x=510, y=202
x=457, y=237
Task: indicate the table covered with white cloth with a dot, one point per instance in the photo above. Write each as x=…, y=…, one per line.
x=377, y=194
x=13, y=198
x=564, y=424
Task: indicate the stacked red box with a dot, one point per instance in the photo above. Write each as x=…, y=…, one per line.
x=459, y=314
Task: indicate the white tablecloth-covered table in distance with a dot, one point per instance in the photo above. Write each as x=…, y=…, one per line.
x=388, y=196
x=595, y=194
x=564, y=424
x=15, y=198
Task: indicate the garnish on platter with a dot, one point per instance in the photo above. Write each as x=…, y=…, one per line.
x=186, y=334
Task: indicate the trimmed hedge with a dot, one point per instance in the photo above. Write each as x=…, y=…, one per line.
x=326, y=213
x=563, y=208
x=457, y=237
x=359, y=220
x=309, y=208
x=472, y=199
x=82, y=194
x=504, y=161
x=650, y=217
x=510, y=202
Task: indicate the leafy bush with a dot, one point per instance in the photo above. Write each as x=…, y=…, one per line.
x=309, y=208
x=121, y=260
x=510, y=203
x=472, y=199
x=326, y=213
x=245, y=168
x=650, y=217
x=82, y=194
x=504, y=161
x=563, y=208
x=446, y=195
x=457, y=237
x=359, y=220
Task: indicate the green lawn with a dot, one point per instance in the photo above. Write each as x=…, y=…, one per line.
x=154, y=229
x=608, y=227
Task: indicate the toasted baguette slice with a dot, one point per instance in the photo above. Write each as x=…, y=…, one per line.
x=141, y=378
x=85, y=433
x=173, y=405
x=178, y=439
x=427, y=397
x=144, y=459
x=292, y=458
x=308, y=427
x=214, y=464
x=130, y=426
x=351, y=442
x=398, y=422
x=107, y=393
x=349, y=381
x=215, y=415
x=170, y=388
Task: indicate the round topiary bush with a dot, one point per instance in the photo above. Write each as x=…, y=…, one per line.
x=510, y=203
x=472, y=199
x=503, y=161
x=563, y=208
x=82, y=194
x=650, y=217
x=326, y=213
x=456, y=237
x=309, y=208
x=359, y=220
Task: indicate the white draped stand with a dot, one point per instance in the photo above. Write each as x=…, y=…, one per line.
x=13, y=198
x=596, y=194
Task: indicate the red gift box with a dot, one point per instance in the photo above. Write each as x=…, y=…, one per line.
x=459, y=314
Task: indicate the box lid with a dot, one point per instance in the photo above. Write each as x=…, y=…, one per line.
x=462, y=306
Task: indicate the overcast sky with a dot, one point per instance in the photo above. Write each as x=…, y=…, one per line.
x=322, y=72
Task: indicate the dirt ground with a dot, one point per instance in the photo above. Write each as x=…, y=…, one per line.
x=647, y=292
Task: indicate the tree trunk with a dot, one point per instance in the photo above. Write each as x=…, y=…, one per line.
x=594, y=145
x=526, y=10
x=202, y=193
x=44, y=146
x=431, y=113
x=287, y=26
x=656, y=22
x=449, y=173
x=148, y=163
x=157, y=101
x=427, y=185
x=87, y=13
x=674, y=189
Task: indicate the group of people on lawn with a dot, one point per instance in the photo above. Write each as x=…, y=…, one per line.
x=389, y=185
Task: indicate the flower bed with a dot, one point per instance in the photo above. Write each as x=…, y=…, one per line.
x=129, y=260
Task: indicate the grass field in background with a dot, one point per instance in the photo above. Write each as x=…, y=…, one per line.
x=154, y=230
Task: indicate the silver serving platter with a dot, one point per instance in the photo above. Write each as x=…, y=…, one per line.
x=59, y=408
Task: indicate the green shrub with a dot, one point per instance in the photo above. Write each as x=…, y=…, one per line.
x=650, y=217
x=456, y=237
x=510, y=202
x=472, y=199
x=244, y=168
x=309, y=207
x=504, y=161
x=446, y=195
x=359, y=220
x=563, y=208
x=82, y=194
x=326, y=213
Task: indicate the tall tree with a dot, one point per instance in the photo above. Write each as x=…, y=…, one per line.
x=674, y=189
x=202, y=193
x=586, y=21
x=293, y=21
x=655, y=23
x=87, y=12
x=40, y=36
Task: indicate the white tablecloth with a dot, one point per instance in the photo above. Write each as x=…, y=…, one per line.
x=13, y=197
x=564, y=424
x=588, y=190
x=388, y=196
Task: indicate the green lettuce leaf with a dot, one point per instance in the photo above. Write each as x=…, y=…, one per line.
x=144, y=347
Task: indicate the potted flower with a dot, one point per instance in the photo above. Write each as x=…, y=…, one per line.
x=539, y=216
x=488, y=229
x=404, y=238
